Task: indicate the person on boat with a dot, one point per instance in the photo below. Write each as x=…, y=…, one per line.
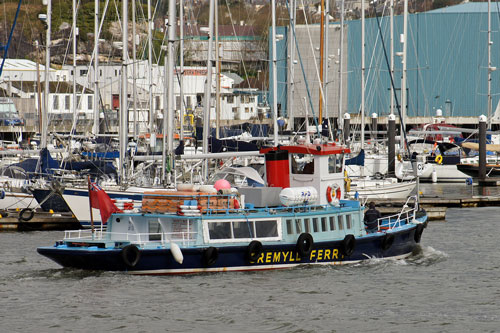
x=371, y=217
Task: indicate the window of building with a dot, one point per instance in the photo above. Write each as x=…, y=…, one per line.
x=177, y=102
x=55, y=105
x=83, y=72
x=90, y=102
x=235, y=110
x=247, y=110
x=67, y=102
x=157, y=103
x=78, y=101
x=230, y=99
x=188, y=102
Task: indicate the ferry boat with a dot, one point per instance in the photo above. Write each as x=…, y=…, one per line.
x=298, y=218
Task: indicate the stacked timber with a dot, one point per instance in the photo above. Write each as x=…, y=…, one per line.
x=170, y=201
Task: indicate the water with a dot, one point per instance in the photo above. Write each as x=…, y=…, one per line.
x=451, y=284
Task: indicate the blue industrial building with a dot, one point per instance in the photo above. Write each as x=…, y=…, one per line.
x=447, y=68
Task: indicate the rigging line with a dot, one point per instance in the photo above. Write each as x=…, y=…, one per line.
x=304, y=74
x=6, y=47
x=398, y=106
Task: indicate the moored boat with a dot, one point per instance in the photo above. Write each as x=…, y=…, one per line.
x=299, y=218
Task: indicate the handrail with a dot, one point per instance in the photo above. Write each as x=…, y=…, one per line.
x=185, y=237
x=398, y=216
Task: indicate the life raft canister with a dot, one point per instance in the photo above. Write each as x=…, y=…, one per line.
x=333, y=194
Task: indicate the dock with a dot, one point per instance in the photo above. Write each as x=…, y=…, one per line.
x=10, y=221
x=436, y=206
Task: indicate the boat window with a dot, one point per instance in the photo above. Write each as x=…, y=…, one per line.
x=302, y=164
x=289, y=227
x=323, y=224
x=341, y=222
x=154, y=230
x=332, y=223
x=219, y=230
x=266, y=228
x=315, y=224
x=306, y=225
x=298, y=227
x=348, y=221
x=335, y=163
x=242, y=229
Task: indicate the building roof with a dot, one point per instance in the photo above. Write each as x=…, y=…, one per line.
x=224, y=30
x=21, y=65
x=469, y=7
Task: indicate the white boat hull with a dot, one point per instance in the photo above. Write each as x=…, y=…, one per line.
x=381, y=189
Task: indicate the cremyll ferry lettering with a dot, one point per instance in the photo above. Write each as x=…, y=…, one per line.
x=286, y=257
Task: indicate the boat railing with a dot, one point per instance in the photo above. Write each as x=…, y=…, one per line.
x=161, y=238
x=406, y=215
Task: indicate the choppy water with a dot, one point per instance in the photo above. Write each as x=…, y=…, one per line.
x=452, y=284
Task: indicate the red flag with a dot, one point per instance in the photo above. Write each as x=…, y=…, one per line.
x=101, y=200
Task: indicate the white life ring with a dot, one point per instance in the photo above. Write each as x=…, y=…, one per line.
x=333, y=194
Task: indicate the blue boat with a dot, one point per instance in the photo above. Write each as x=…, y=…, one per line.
x=299, y=218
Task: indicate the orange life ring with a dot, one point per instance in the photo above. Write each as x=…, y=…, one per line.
x=333, y=192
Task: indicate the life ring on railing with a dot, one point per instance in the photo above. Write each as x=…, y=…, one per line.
x=333, y=194
x=26, y=214
x=387, y=241
x=418, y=233
x=254, y=250
x=305, y=244
x=130, y=255
x=348, y=245
x=439, y=159
x=400, y=159
x=210, y=256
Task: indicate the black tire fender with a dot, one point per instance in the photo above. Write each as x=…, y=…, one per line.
x=130, y=255
x=305, y=244
x=418, y=232
x=254, y=250
x=210, y=256
x=387, y=241
x=348, y=245
x=26, y=214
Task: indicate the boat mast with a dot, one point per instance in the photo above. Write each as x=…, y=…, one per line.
x=362, y=75
x=291, y=79
x=150, y=73
x=341, y=62
x=392, y=53
x=274, y=73
x=168, y=135
x=208, y=89
x=325, y=58
x=403, y=78
x=321, y=60
x=123, y=128
x=217, y=70
x=75, y=116
x=95, y=128
x=181, y=76
x=45, y=117
x=490, y=69
x=134, y=70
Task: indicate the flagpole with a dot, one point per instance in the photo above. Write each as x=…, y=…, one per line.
x=90, y=205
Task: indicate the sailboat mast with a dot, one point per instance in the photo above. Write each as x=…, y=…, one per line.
x=45, y=116
x=181, y=76
x=170, y=106
x=392, y=53
x=326, y=58
x=95, y=128
x=134, y=70
x=208, y=89
x=274, y=73
x=217, y=70
x=74, y=59
x=321, y=60
x=291, y=78
x=489, y=65
x=341, y=62
x=362, y=73
x=150, y=72
x=403, y=78
x=123, y=128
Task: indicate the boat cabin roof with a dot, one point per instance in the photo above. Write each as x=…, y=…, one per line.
x=313, y=149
